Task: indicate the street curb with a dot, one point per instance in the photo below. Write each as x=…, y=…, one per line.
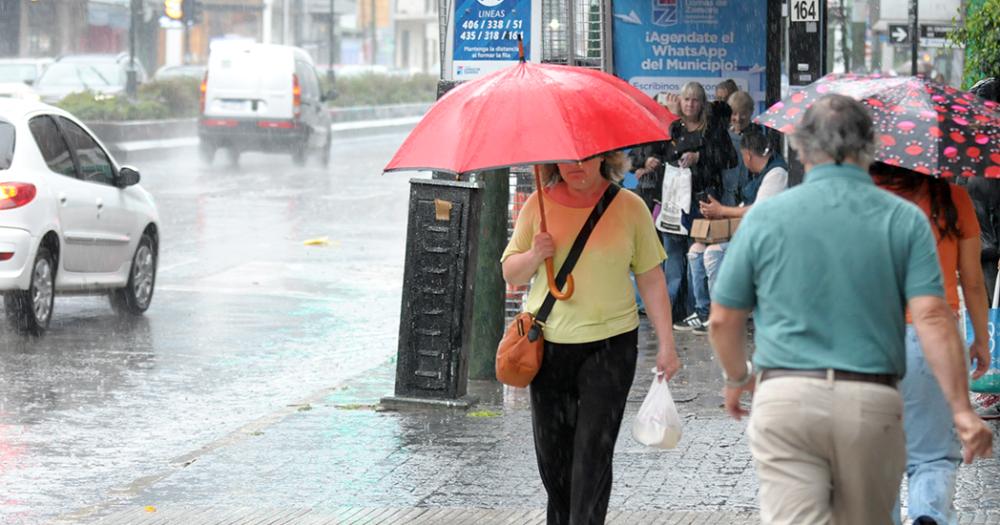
x=144, y=150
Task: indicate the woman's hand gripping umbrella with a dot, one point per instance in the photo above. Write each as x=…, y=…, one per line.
x=531, y=114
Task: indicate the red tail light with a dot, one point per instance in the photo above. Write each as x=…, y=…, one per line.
x=296, y=95
x=276, y=124
x=219, y=122
x=204, y=89
x=6, y=256
x=16, y=194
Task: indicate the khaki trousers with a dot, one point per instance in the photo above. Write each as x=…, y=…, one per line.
x=827, y=452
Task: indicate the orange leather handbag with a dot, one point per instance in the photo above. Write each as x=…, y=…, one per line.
x=519, y=355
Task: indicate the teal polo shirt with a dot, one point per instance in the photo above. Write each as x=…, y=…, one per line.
x=828, y=268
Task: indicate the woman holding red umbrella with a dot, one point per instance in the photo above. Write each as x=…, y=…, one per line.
x=933, y=451
x=578, y=397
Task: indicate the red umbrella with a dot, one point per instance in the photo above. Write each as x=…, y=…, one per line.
x=532, y=114
x=921, y=125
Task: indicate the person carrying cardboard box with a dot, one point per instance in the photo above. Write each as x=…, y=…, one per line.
x=768, y=176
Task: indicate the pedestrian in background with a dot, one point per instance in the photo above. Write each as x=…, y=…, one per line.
x=985, y=194
x=578, y=397
x=734, y=178
x=767, y=177
x=699, y=140
x=647, y=164
x=724, y=89
x=933, y=451
x=829, y=268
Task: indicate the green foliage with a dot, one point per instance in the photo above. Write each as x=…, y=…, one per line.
x=373, y=89
x=182, y=96
x=179, y=97
x=980, y=34
x=171, y=98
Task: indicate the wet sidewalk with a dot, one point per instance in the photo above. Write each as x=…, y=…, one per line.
x=343, y=459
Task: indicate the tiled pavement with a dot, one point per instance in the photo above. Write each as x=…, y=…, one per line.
x=344, y=460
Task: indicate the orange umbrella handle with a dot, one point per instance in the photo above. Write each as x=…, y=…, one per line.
x=553, y=289
x=549, y=267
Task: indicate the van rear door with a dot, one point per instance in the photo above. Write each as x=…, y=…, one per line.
x=250, y=82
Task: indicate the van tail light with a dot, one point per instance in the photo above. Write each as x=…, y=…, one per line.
x=296, y=96
x=6, y=256
x=277, y=124
x=203, y=90
x=16, y=194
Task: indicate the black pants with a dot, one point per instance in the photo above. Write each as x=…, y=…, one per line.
x=577, y=402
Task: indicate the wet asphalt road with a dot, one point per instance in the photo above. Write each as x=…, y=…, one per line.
x=246, y=323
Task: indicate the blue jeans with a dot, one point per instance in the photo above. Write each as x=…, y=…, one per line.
x=698, y=281
x=675, y=269
x=713, y=261
x=933, y=451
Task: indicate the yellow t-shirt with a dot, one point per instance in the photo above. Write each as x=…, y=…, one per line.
x=603, y=303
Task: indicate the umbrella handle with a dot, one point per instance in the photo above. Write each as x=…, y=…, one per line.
x=549, y=267
x=553, y=289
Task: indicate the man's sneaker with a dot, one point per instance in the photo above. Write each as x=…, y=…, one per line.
x=692, y=323
x=987, y=405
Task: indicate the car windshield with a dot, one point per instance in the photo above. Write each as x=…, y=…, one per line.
x=17, y=72
x=6, y=144
x=83, y=75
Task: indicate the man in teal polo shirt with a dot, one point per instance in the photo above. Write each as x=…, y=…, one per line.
x=828, y=268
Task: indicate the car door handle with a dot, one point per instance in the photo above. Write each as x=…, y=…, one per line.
x=100, y=204
x=62, y=199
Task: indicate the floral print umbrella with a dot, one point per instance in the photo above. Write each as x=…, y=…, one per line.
x=921, y=125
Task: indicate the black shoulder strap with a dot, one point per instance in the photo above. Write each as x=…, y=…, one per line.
x=577, y=249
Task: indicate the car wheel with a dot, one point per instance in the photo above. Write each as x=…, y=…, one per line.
x=325, y=158
x=300, y=151
x=206, y=151
x=31, y=310
x=135, y=298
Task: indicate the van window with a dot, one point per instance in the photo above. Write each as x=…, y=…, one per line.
x=6, y=144
x=52, y=145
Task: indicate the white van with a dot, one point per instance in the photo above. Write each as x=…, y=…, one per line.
x=262, y=97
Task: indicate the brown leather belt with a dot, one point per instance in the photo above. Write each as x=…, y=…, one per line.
x=838, y=375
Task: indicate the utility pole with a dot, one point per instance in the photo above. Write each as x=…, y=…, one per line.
x=131, y=79
x=914, y=36
x=267, y=19
x=286, y=21
x=333, y=42
x=374, y=30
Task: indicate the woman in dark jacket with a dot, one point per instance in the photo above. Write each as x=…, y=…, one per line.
x=647, y=163
x=699, y=140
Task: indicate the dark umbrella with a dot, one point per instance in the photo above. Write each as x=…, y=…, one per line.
x=921, y=125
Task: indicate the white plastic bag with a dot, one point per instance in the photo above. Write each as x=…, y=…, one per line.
x=675, y=200
x=658, y=424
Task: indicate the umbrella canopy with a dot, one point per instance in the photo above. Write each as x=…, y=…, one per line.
x=531, y=114
x=921, y=125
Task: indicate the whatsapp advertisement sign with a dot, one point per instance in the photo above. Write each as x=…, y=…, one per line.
x=662, y=44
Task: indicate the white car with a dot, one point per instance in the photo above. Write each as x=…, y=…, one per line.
x=71, y=219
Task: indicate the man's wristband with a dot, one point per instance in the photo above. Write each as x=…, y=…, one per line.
x=739, y=382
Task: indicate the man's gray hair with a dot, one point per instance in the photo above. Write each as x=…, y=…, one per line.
x=838, y=127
